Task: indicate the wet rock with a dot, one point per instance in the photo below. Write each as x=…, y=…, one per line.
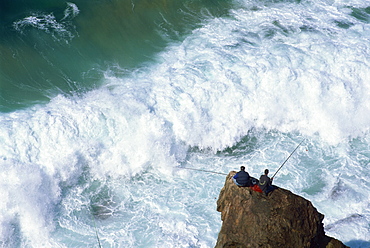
x=281, y=219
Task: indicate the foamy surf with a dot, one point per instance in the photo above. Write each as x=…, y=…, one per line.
x=240, y=90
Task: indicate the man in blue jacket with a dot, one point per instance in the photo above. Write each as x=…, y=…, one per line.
x=242, y=178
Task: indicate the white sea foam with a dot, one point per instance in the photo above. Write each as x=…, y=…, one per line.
x=59, y=29
x=230, y=75
x=71, y=11
x=278, y=74
x=51, y=147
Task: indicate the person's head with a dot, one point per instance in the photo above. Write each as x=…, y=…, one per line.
x=266, y=172
x=242, y=168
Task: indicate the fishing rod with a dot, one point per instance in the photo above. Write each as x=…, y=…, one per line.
x=287, y=158
x=202, y=170
x=220, y=173
x=96, y=231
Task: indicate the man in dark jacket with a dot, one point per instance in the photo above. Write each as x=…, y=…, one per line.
x=265, y=183
x=242, y=178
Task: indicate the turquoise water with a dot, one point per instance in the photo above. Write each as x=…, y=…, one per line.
x=104, y=103
x=57, y=47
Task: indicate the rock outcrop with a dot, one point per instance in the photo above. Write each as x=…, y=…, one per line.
x=281, y=219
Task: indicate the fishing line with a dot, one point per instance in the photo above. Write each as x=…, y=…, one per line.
x=202, y=170
x=220, y=173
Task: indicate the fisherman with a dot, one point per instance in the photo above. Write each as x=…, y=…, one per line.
x=242, y=178
x=265, y=183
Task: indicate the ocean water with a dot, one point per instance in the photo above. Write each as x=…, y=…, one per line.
x=105, y=103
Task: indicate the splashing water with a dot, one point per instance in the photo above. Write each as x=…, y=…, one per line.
x=241, y=89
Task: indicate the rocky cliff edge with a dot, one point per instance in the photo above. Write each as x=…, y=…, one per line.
x=281, y=219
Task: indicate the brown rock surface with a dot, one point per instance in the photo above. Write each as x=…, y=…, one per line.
x=282, y=219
